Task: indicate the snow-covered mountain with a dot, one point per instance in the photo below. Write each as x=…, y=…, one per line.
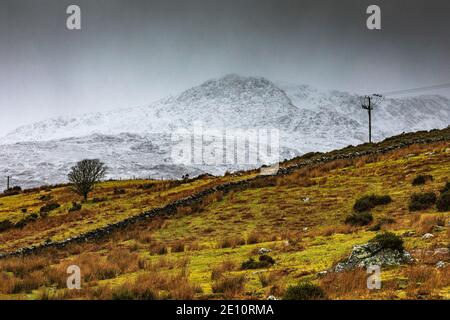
x=232, y=102
x=138, y=141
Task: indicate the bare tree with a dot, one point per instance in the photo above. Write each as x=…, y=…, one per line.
x=85, y=174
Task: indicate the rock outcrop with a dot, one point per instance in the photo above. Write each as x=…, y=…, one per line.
x=372, y=254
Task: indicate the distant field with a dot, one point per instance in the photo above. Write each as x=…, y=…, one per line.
x=198, y=252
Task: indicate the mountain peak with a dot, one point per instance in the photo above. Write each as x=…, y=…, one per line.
x=237, y=82
x=236, y=87
x=234, y=79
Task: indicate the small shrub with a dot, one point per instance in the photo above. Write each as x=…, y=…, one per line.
x=162, y=250
x=134, y=291
x=339, y=285
x=304, y=291
x=389, y=240
x=230, y=243
x=158, y=249
x=178, y=247
x=422, y=179
x=369, y=202
x=427, y=223
x=384, y=221
x=253, y=238
x=13, y=191
x=267, y=259
x=359, y=219
x=264, y=261
x=5, y=225
x=28, y=283
x=147, y=186
x=422, y=201
x=443, y=203
x=45, y=197
x=118, y=191
x=440, y=221
x=97, y=200
x=446, y=188
x=49, y=207
x=75, y=207
x=229, y=286
x=43, y=214
x=250, y=264
x=225, y=243
x=219, y=270
x=30, y=218
x=269, y=278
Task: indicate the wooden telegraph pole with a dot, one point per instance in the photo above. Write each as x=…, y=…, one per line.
x=368, y=106
x=367, y=103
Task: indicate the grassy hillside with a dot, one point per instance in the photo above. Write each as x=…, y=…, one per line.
x=110, y=202
x=198, y=252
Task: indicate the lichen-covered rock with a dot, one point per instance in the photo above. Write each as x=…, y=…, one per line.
x=372, y=254
x=427, y=236
x=387, y=257
x=322, y=274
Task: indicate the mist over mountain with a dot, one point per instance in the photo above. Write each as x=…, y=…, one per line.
x=138, y=141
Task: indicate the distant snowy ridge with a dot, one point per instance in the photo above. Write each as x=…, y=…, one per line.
x=232, y=102
x=249, y=102
x=137, y=141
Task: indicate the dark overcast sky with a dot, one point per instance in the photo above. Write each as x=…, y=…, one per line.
x=132, y=52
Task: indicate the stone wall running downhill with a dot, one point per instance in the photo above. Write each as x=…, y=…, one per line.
x=171, y=208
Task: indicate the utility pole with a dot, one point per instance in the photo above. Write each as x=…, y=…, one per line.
x=367, y=103
x=7, y=182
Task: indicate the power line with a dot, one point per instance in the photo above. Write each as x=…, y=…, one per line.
x=369, y=101
x=438, y=86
